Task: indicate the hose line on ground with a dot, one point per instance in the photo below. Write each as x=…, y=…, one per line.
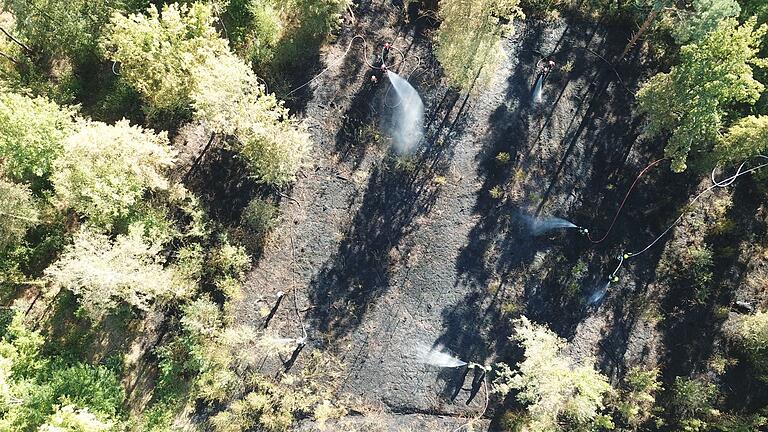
x=387, y=46
x=715, y=184
x=624, y=201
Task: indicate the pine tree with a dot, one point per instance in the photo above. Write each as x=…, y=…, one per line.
x=692, y=100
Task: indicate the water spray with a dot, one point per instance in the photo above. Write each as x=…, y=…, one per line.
x=408, y=114
x=437, y=356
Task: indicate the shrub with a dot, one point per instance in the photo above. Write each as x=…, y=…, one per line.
x=265, y=409
x=62, y=28
x=45, y=390
x=254, y=28
x=160, y=51
x=230, y=260
x=750, y=334
x=690, y=404
x=502, y=157
x=700, y=270
x=94, y=387
x=259, y=217
x=637, y=396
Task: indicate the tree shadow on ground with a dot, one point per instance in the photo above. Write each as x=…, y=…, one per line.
x=397, y=192
x=400, y=189
x=222, y=181
x=513, y=126
x=475, y=330
x=694, y=311
x=593, y=167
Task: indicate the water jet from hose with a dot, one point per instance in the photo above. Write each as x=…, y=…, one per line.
x=543, y=225
x=537, y=90
x=597, y=296
x=407, y=116
x=438, y=357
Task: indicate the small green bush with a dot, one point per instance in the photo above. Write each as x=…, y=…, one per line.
x=502, y=157
x=94, y=387
x=259, y=217
x=750, y=335
x=691, y=403
x=700, y=270
x=637, y=396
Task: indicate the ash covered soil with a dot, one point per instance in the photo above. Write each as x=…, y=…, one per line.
x=380, y=254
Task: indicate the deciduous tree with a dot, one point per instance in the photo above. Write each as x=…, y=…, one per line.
x=31, y=134
x=554, y=386
x=159, y=52
x=104, y=273
x=176, y=59
x=106, y=169
x=17, y=210
x=704, y=16
x=745, y=138
x=69, y=418
x=62, y=28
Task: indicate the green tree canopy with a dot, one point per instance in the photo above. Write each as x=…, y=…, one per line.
x=105, y=273
x=221, y=88
x=105, y=170
x=745, y=138
x=159, y=52
x=750, y=334
x=58, y=28
x=70, y=419
x=31, y=134
x=469, y=38
x=692, y=100
x=40, y=394
x=276, y=35
x=704, y=17
x=17, y=210
x=554, y=386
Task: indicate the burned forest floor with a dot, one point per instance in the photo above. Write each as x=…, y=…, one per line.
x=381, y=254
